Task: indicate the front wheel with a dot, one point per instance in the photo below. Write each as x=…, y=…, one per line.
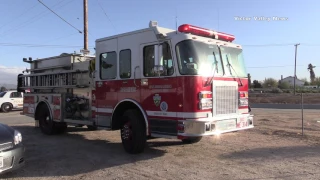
x=6, y=107
x=191, y=140
x=133, y=132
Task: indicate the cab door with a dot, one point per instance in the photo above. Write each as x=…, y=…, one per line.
x=159, y=91
x=107, y=75
x=129, y=69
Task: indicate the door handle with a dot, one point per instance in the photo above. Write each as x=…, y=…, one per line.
x=134, y=76
x=124, y=82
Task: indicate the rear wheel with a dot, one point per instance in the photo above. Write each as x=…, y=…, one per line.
x=92, y=128
x=133, y=132
x=47, y=125
x=60, y=127
x=191, y=140
x=6, y=107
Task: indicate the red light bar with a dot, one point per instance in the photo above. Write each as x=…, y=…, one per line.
x=225, y=37
x=187, y=28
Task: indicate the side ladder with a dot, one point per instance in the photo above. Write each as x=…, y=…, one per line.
x=64, y=79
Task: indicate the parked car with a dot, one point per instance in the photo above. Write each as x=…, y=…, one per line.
x=11, y=149
x=11, y=100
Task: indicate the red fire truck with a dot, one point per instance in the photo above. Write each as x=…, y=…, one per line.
x=154, y=82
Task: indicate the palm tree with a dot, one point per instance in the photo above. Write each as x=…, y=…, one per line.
x=312, y=74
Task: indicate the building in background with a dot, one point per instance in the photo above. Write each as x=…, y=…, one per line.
x=290, y=80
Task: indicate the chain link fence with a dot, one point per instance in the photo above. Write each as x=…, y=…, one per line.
x=287, y=113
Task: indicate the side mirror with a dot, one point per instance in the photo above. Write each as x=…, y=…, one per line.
x=158, y=68
x=192, y=66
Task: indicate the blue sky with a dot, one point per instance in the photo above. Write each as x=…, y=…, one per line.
x=29, y=22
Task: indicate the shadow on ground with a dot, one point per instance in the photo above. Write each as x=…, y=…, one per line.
x=71, y=154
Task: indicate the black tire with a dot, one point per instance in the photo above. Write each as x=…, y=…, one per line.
x=60, y=127
x=6, y=107
x=47, y=125
x=191, y=140
x=133, y=132
x=92, y=128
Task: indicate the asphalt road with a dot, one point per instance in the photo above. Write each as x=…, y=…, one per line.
x=286, y=106
x=14, y=118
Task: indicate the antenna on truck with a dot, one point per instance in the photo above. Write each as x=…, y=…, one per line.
x=176, y=21
x=176, y=25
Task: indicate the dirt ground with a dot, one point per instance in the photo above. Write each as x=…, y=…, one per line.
x=274, y=149
x=284, y=98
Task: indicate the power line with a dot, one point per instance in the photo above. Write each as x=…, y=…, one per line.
x=65, y=36
x=30, y=21
x=272, y=45
x=274, y=66
x=9, y=68
x=106, y=14
x=28, y=10
x=264, y=45
x=60, y=16
x=40, y=45
x=310, y=44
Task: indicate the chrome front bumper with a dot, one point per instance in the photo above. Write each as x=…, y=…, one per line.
x=214, y=125
x=12, y=159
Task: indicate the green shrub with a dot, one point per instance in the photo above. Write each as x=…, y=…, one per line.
x=276, y=90
x=287, y=91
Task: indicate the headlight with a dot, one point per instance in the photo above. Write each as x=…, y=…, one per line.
x=17, y=137
x=243, y=102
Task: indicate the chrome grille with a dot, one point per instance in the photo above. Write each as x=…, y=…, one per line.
x=7, y=163
x=6, y=146
x=225, y=99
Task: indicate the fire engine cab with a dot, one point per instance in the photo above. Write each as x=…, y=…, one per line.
x=154, y=82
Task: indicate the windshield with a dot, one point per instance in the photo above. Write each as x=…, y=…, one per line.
x=2, y=94
x=197, y=58
x=233, y=56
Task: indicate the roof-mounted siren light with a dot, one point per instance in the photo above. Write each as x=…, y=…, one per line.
x=153, y=23
x=225, y=37
x=187, y=28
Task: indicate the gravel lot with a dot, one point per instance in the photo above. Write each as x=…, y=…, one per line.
x=274, y=149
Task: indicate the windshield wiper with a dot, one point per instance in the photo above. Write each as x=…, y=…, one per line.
x=230, y=66
x=215, y=70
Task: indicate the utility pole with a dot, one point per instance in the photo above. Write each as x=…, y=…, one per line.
x=295, y=68
x=85, y=23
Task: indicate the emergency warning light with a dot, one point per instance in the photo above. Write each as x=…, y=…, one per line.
x=187, y=28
